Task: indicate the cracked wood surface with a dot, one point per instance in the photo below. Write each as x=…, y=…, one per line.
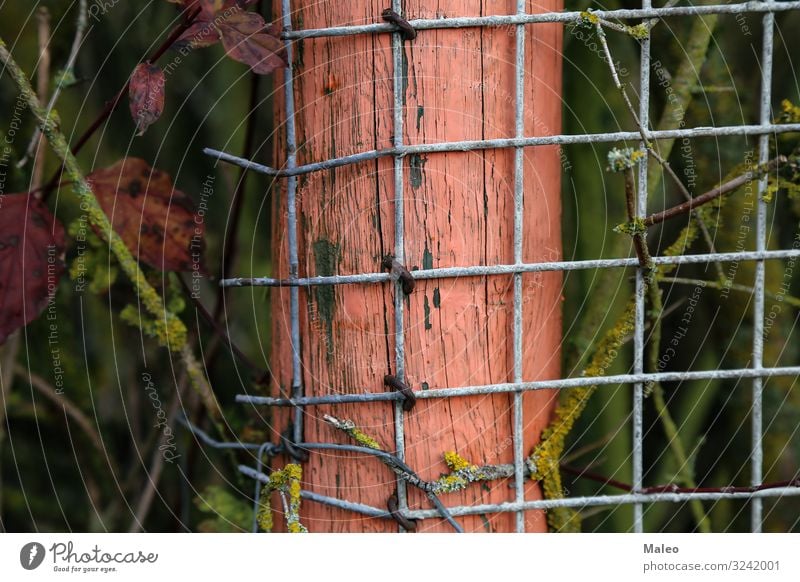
x=458, y=85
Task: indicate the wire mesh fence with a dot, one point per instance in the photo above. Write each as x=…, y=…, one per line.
x=756, y=372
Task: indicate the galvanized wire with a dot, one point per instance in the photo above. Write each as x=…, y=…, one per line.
x=765, y=115
x=637, y=379
x=399, y=246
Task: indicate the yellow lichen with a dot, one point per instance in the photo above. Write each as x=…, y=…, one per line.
x=456, y=462
x=544, y=462
x=264, y=514
x=285, y=481
x=639, y=32
x=364, y=439
x=790, y=113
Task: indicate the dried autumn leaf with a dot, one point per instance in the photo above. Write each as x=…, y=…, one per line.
x=31, y=260
x=200, y=34
x=247, y=39
x=146, y=95
x=204, y=32
x=155, y=221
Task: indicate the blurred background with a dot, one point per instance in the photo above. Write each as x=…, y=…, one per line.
x=92, y=468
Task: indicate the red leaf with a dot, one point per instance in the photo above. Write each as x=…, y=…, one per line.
x=31, y=260
x=246, y=39
x=203, y=32
x=200, y=34
x=146, y=95
x=155, y=221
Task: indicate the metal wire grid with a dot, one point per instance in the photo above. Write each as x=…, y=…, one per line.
x=637, y=379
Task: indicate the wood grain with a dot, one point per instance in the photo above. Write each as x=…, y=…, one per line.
x=459, y=84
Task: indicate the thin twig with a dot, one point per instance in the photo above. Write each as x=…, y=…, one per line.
x=67, y=71
x=726, y=284
x=621, y=88
x=670, y=488
x=705, y=198
x=680, y=97
x=259, y=373
x=170, y=329
x=145, y=502
x=639, y=242
x=8, y=357
x=42, y=88
x=674, y=440
x=231, y=246
x=61, y=400
x=112, y=105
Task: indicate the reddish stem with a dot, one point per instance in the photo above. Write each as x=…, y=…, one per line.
x=591, y=476
x=112, y=105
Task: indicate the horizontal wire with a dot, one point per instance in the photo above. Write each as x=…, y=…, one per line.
x=486, y=270
x=217, y=444
x=594, y=501
x=487, y=144
x=565, y=17
x=512, y=387
x=310, y=495
x=604, y=500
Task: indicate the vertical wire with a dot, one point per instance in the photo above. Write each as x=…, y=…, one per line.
x=399, y=251
x=757, y=451
x=259, y=486
x=519, y=174
x=638, y=343
x=291, y=203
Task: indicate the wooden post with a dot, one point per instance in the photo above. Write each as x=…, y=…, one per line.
x=458, y=85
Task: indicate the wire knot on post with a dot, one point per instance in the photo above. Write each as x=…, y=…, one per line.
x=291, y=448
x=399, y=272
x=394, y=510
x=409, y=400
x=403, y=26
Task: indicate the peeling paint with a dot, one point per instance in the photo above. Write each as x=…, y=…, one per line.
x=437, y=298
x=427, y=309
x=326, y=257
x=420, y=113
x=404, y=76
x=417, y=164
x=427, y=259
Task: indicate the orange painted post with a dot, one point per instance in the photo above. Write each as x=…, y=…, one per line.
x=458, y=84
